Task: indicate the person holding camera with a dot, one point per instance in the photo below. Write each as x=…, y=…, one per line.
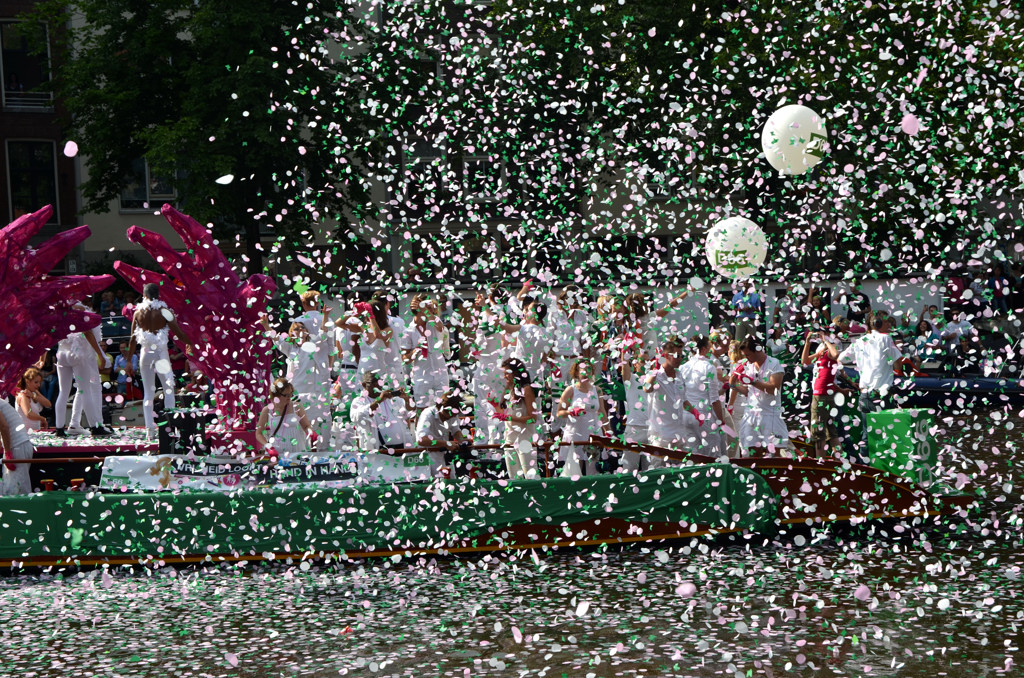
x=825, y=359
x=381, y=417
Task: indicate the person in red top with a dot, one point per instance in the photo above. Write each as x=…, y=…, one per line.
x=826, y=366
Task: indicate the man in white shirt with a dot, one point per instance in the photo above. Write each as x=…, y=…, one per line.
x=382, y=417
x=874, y=355
x=704, y=389
x=670, y=421
x=438, y=425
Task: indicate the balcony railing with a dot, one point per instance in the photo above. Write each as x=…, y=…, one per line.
x=28, y=101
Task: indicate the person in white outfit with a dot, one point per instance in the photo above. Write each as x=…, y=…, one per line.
x=76, y=363
x=315, y=391
x=704, y=389
x=16, y=445
x=670, y=418
x=283, y=428
x=378, y=342
x=520, y=411
x=382, y=416
x=30, y=402
x=570, y=338
x=94, y=395
x=488, y=376
x=737, y=401
x=152, y=323
x=426, y=348
x=762, y=429
x=533, y=343
x=583, y=409
x=637, y=406
x=311, y=380
x=346, y=363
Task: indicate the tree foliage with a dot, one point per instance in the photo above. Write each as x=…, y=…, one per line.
x=601, y=125
x=197, y=88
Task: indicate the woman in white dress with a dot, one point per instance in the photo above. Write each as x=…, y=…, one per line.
x=704, y=390
x=570, y=327
x=30, y=401
x=426, y=348
x=283, y=428
x=521, y=414
x=737, y=406
x=14, y=444
x=584, y=410
x=762, y=429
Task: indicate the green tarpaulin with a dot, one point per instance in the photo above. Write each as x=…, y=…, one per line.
x=382, y=517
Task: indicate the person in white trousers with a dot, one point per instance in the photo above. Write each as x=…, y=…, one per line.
x=76, y=362
x=15, y=444
x=151, y=326
x=95, y=395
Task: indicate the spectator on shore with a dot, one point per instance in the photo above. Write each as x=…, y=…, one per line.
x=999, y=287
x=858, y=306
x=746, y=304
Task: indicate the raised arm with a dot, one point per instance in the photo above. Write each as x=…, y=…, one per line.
x=564, y=402
x=261, y=427
x=672, y=303
x=805, y=356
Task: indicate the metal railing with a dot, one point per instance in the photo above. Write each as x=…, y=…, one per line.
x=28, y=101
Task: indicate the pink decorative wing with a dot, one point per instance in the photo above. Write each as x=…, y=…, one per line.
x=217, y=311
x=37, y=310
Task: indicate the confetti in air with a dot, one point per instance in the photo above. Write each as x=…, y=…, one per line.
x=526, y=337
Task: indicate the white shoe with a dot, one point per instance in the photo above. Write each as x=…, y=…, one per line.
x=76, y=431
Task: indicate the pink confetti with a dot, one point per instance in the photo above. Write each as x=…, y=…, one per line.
x=70, y=149
x=231, y=658
x=862, y=593
x=910, y=124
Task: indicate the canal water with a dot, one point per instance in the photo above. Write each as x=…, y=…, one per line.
x=875, y=600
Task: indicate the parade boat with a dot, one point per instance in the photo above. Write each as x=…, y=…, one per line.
x=222, y=505
x=298, y=514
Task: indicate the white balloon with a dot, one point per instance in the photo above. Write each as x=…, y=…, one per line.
x=736, y=247
x=794, y=139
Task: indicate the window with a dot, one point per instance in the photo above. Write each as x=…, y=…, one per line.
x=483, y=179
x=32, y=177
x=145, y=189
x=24, y=73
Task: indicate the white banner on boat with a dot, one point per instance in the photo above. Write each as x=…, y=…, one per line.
x=176, y=472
